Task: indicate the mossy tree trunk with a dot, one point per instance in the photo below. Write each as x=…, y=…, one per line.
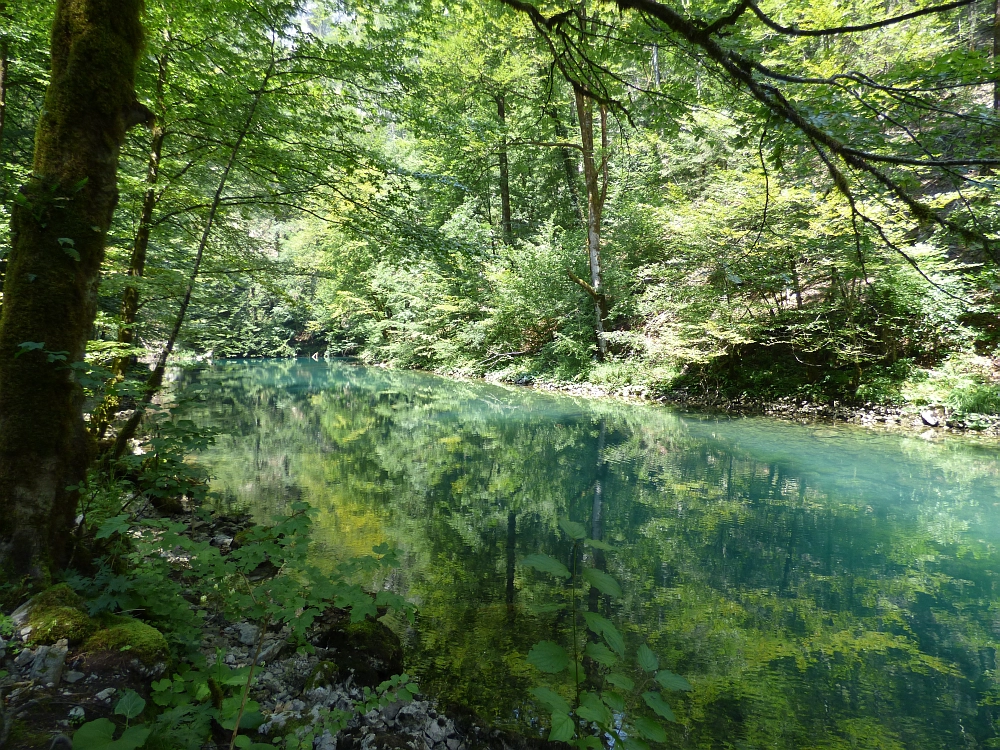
x=58, y=229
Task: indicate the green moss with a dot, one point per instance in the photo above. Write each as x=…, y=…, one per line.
x=134, y=637
x=325, y=673
x=50, y=624
x=60, y=595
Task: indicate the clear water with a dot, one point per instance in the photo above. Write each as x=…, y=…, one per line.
x=820, y=587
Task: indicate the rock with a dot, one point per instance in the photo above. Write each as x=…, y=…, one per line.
x=77, y=713
x=271, y=652
x=20, y=615
x=72, y=677
x=106, y=695
x=47, y=665
x=389, y=711
x=221, y=540
x=454, y=743
x=127, y=639
x=929, y=418
x=24, y=658
x=437, y=731
x=248, y=633
x=3, y=648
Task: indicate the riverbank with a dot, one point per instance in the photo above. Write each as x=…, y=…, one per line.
x=343, y=686
x=927, y=421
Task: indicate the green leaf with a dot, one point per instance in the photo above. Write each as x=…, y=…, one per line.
x=631, y=743
x=94, y=735
x=592, y=708
x=655, y=701
x=598, y=544
x=130, y=705
x=670, y=681
x=562, y=727
x=615, y=701
x=647, y=659
x=549, y=657
x=601, y=654
x=28, y=346
x=573, y=529
x=591, y=742
x=602, y=582
x=97, y=735
x=620, y=681
x=546, y=564
x=603, y=626
x=651, y=730
x=551, y=700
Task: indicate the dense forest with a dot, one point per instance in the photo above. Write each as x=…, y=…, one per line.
x=728, y=201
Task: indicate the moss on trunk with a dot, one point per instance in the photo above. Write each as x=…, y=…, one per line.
x=59, y=224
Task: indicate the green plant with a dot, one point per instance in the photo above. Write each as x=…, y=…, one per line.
x=99, y=734
x=621, y=711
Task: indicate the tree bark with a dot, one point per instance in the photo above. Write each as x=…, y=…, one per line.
x=505, y=220
x=595, y=174
x=4, y=68
x=58, y=229
x=137, y=261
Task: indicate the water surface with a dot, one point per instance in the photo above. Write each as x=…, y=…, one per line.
x=820, y=587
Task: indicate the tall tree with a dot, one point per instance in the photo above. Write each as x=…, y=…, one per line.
x=59, y=228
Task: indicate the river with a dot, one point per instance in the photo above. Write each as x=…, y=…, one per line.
x=818, y=586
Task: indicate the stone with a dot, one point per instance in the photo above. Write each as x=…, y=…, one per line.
x=437, y=731
x=72, y=677
x=221, y=540
x=47, y=665
x=929, y=418
x=3, y=648
x=390, y=710
x=77, y=713
x=271, y=652
x=24, y=658
x=106, y=695
x=248, y=633
x=20, y=615
x=453, y=743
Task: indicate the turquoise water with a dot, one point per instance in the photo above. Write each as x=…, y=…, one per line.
x=820, y=587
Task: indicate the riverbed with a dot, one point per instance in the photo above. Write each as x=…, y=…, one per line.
x=819, y=586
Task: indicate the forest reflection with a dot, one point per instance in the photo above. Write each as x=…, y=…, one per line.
x=820, y=587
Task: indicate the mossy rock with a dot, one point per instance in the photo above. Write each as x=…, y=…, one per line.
x=60, y=595
x=129, y=637
x=325, y=673
x=368, y=648
x=50, y=624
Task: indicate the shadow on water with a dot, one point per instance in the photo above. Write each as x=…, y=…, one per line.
x=820, y=587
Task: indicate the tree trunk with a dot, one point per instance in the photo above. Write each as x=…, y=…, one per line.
x=137, y=261
x=58, y=229
x=596, y=179
x=505, y=221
